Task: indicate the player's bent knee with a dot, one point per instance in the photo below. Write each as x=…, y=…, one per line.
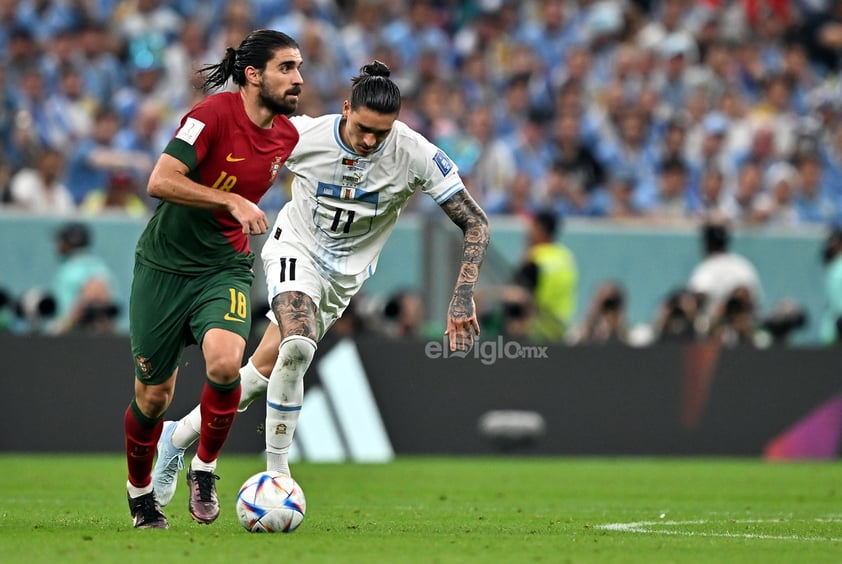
x=296, y=353
x=223, y=370
x=153, y=401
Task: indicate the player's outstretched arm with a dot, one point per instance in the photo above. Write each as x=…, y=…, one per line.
x=462, y=322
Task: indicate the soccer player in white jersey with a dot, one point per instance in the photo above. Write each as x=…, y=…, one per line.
x=353, y=175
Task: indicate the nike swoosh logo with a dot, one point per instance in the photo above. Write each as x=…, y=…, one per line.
x=229, y=317
x=231, y=159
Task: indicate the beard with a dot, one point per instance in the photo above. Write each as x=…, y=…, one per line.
x=278, y=105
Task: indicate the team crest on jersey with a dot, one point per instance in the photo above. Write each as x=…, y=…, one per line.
x=445, y=164
x=354, y=164
x=276, y=168
x=143, y=365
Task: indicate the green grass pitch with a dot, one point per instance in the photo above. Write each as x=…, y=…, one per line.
x=72, y=509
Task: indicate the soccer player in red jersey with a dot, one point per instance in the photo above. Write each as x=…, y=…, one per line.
x=192, y=274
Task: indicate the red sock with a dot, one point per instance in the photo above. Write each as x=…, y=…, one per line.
x=219, y=406
x=142, y=434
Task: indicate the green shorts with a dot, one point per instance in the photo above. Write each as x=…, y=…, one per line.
x=168, y=312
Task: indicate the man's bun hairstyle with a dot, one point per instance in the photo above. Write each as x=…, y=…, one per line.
x=376, y=68
x=373, y=89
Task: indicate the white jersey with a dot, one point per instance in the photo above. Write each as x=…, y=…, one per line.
x=720, y=274
x=344, y=206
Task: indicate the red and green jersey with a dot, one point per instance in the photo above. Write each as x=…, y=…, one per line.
x=224, y=150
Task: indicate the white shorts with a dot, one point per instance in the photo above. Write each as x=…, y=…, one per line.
x=290, y=268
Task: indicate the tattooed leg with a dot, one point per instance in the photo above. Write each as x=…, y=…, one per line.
x=296, y=315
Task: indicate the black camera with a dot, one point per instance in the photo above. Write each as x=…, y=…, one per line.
x=780, y=325
x=612, y=302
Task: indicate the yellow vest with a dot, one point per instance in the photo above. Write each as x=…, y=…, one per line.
x=555, y=291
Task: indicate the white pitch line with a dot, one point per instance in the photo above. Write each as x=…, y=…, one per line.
x=646, y=528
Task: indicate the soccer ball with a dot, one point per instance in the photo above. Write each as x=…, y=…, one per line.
x=270, y=502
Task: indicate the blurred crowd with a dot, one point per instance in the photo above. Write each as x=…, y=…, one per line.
x=652, y=110
x=624, y=110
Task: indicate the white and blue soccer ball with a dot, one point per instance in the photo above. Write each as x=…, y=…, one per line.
x=271, y=502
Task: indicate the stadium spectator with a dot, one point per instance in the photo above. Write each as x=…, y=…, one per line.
x=494, y=169
x=362, y=32
x=821, y=32
x=832, y=167
x=84, y=286
x=705, y=148
x=325, y=61
x=776, y=204
x=144, y=18
x=39, y=189
x=830, y=330
x=102, y=71
x=634, y=151
x=146, y=136
x=91, y=162
x=520, y=199
x=712, y=198
x=416, y=32
x=37, y=126
x=736, y=320
x=813, y=204
x=772, y=79
x=678, y=317
x=672, y=201
x=403, y=315
x=605, y=321
x=60, y=52
x=742, y=204
x=69, y=109
x=121, y=195
x=181, y=59
x=620, y=189
x=774, y=111
x=673, y=143
x=573, y=158
x=21, y=55
x=564, y=194
x=720, y=273
x=550, y=275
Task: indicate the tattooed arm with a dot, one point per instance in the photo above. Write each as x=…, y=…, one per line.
x=462, y=323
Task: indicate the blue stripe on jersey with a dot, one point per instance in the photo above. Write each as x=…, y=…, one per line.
x=337, y=137
x=347, y=193
x=279, y=407
x=448, y=192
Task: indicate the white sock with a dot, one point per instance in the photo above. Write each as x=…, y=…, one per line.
x=135, y=492
x=187, y=429
x=199, y=464
x=284, y=397
x=253, y=385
